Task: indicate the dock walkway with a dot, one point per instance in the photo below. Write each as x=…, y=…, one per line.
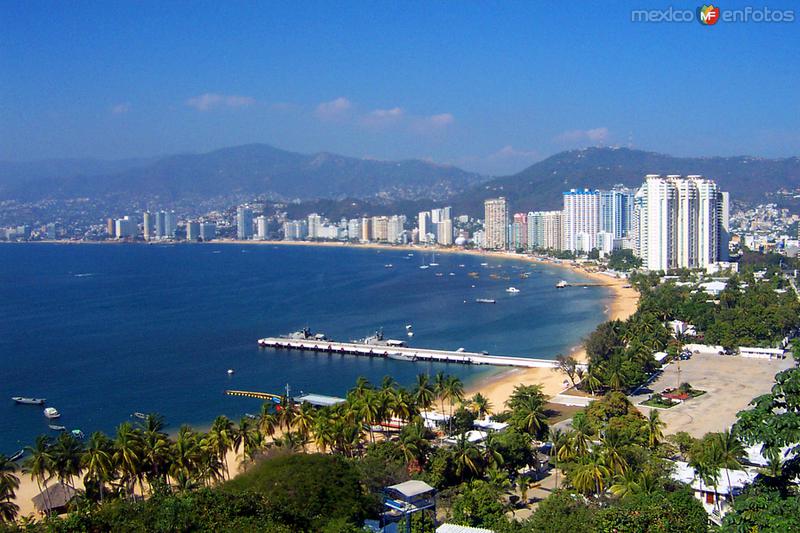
x=403, y=353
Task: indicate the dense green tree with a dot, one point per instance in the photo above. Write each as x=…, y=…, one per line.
x=659, y=512
x=478, y=505
x=306, y=490
x=562, y=512
x=763, y=510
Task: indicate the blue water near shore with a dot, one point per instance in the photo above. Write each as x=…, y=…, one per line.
x=103, y=331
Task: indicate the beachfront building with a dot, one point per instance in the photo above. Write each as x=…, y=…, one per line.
x=208, y=231
x=519, y=231
x=616, y=211
x=424, y=225
x=170, y=224
x=366, y=229
x=261, y=228
x=545, y=230
x=495, y=224
x=353, y=229
x=680, y=222
x=244, y=223
x=380, y=229
x=125, y=228
x=444, y=232
x=581, y=219
x=148, y=225
x=395, y=227
x=160, y=224
x=192, y=230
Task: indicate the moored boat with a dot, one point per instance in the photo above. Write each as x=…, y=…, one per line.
x=561, y=284
x=55, y=427
x=28, y=401
x=485, y=300
x=17, y=456
x=51, y=412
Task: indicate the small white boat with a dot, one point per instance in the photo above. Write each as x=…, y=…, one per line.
x=424, y=266
x=484, y=300
x=28, y=401
x=51, y=412
x=388, y=265
x=512, y=290
x=460, y=350
x=410, y=333
x=408, y=326
x=561, y=284
x=230, y=371
x=140, y=416
x=56, y=428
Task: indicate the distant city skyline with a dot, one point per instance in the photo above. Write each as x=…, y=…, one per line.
x=504, y=86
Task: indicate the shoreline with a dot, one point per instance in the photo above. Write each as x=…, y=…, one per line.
x=496, y=388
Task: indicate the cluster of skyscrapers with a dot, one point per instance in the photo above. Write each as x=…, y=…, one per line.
x=389, y=229
x=670, y=222
x=159, y=225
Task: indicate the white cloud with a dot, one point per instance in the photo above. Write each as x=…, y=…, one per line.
x=208, y=101
x=433, y=123
x=335, y=109
x=383, y=117
x=594, y=135
x=121, y=109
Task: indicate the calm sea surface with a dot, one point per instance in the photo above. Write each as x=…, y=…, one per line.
x=102, y=331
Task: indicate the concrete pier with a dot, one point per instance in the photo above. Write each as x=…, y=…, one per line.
x=403, y=353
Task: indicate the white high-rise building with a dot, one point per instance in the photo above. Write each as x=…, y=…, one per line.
x=261, y=228
x=354, y=229
x=680, y=222
x=581, y=221
x=314, y=226
x=444, y=232
x=161, y=230
x=126, y=227
x=616, y=211
x=424, y=223
x=394, y=228
x=170, y=224
x=495, y=224
x=244, y=223
x=380, y=229
x=545, y=230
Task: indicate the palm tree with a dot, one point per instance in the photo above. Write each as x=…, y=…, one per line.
x=220, y=440
x=39, y=464
x=626, y=484
x=246, y=437
x=186, y=457
x=413, y=443
x=96, y=460
x=654, y=433
x=66, y=453
x=466, y=456
x=612, y=446
x=615, y=374
x=593, y=374
x=440, y=388
x=363, y=386
x=324, y=437
x=491, y=457
x=304, y=421
x=730, y=452
x=267, y=421
x=369, y=410
x=559, y=440
x=480, y=405
x=591, y=475
x=455, y=391
x=127, y=456
x=9, y=483
x=155, y=449
x=424, y=394
x=581, y=436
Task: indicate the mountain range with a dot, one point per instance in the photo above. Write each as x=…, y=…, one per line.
x=324, y=180
x=254, y=169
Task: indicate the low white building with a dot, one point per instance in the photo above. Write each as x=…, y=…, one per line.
x=762, y=353
x=716, y=498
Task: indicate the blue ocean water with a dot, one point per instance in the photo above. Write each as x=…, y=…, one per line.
x=102, y=331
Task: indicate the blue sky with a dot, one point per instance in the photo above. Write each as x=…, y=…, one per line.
x=489, y=86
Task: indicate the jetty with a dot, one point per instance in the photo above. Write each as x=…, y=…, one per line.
x=402, y=353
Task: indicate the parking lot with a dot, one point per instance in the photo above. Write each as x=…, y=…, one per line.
x=730, y=382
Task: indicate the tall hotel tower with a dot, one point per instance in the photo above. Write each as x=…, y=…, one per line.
x=681, y=222
x=581, y=221
x=496, y=224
